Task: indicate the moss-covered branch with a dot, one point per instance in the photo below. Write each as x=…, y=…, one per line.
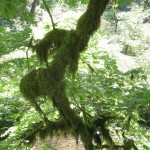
x=89, y=22
x=67, y=46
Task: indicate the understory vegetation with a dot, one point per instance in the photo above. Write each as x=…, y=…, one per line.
x=81, y=76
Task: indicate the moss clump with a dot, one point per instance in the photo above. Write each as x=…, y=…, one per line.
x=29, y=86
x=72, y=51
x=51, y=42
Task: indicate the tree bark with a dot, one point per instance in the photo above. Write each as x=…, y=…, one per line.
x=34, y=4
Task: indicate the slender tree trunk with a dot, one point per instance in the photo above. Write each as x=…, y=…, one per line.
x=34, y=4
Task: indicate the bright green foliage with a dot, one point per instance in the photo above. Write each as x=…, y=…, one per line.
x=9, y=8
x=105, y=91
x=73, y=3
x=123, y=2
x=9, y=41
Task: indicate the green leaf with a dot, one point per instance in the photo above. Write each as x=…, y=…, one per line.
x=123, y=2
x=11, y=10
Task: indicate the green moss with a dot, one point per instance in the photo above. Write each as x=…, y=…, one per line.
x=89, y=22
x=51, y=42
x=29, y=86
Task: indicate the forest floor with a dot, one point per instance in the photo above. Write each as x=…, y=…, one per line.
x=60, y=143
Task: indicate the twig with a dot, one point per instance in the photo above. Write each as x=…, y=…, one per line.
x=114, y=14
x=90, y=67
x=29, y=45
x=116, y=21
x=53, y=24
x=80, y=107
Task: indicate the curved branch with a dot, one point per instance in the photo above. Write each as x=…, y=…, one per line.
x=53, y=24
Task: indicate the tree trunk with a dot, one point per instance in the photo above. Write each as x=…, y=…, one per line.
x=34, y=4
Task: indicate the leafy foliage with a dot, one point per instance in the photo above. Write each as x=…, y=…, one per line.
x=9, y=8
x=9, y=41
x=73, y=3
x=15, y=8
x=123, y=2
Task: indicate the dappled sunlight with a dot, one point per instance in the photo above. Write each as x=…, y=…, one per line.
x=13, y=55
x=124, y=62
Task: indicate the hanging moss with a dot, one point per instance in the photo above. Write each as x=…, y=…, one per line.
x=72, y=53
x=31, y=133
x=51, y=41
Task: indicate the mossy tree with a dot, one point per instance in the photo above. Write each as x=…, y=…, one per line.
x=66, y=47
